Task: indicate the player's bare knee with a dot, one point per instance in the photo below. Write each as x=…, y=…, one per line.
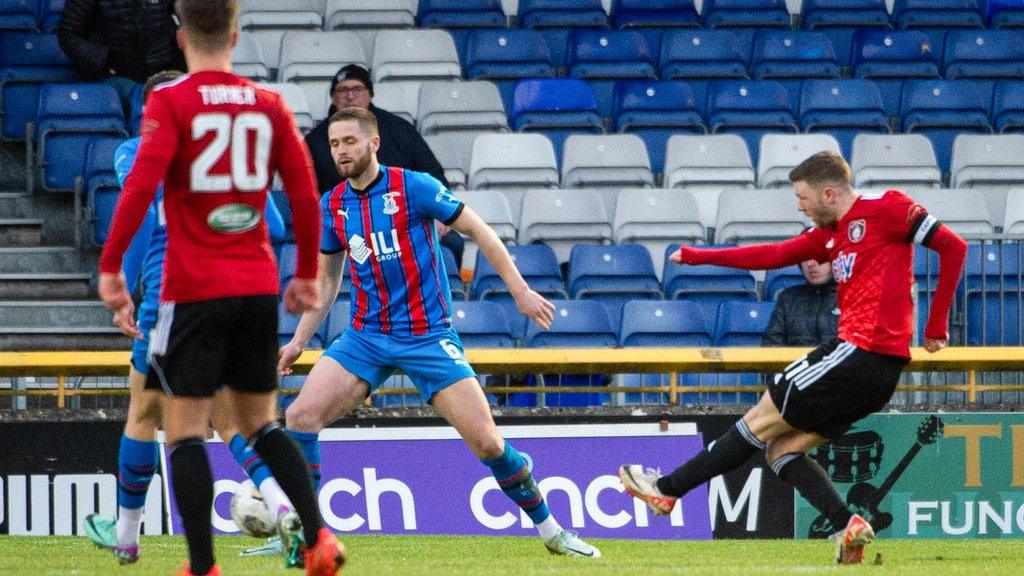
x=487, y=447
x=303, y=418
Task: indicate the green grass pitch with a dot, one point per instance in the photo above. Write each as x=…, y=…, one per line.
x=501, y=556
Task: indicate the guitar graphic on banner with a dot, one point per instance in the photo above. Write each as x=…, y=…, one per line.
x=863, y=498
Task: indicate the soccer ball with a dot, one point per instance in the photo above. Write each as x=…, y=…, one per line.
x=250, y=512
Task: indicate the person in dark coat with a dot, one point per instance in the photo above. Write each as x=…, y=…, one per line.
x=805, y=314
x=401, y=145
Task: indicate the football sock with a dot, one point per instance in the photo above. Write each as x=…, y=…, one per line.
x=514, y=478
x=136, y=464
x=193, y=490
x=259, y=473
x=549, y=528
x=813, y=483
x=286, y=464
x=309, y=444
x=726, y=453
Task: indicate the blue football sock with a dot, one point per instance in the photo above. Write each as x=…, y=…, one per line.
x=513, y=475
x=249, y=460
x=136, y=464
x=309, y=443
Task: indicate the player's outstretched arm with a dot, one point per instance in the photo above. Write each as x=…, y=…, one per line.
x=756, y=257
x=530, y=304
x=952, y=251
x=329, y=281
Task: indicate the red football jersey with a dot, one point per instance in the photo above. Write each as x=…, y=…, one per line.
x=216, y=139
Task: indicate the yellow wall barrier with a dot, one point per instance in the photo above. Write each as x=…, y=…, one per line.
x=670, y=361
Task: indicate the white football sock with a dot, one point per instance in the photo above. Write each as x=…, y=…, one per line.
x=549, y=528
x=274, y=497
x=129, y=522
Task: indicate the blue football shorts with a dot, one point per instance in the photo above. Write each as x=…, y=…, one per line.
x=146, y=321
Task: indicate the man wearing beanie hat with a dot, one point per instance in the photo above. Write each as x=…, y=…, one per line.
x=401, y=145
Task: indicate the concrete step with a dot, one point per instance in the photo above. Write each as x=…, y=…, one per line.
x=41, y=260
x=21, y=232
x=45, y=286
x=58, y=315
x=15, y=205
x=49, y=338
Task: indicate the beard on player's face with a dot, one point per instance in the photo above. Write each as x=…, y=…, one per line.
x=353, y=165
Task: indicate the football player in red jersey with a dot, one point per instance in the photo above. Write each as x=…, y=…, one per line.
x=869, y=239
x=215, y=139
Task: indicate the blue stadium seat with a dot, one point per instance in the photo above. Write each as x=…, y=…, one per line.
x=701, y=56
x=706, y=284
x=654, y=14
x=1008, y=106
x=135, y=102
x=482, y=325
x=338, y=319
x=461, y=18
x=666, y=323
x=742, y=323
x=286, y=325
x=1004, y=14
x=554, y=19
x=934, y=15
x=26, y=62
x=18, y=16
x=838, y=19
x=506, y=56
x=992, y=276
x=603, y=56
x=776, y=281
x=455, y=283
x=888, y=57
x=984, y=54
x=792, y=56
x=70, y=116
x=286, y=262
x=49, y=15
x=577, y=324
x=537, y=264
x=101, y=186
x=942, y=109
x=612, y=275
x=750, y=109
x=842, y=108
x=655, y=111
x=556, y=107
x=745, y=17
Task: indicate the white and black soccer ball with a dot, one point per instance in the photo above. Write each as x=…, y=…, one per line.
x=250, y=512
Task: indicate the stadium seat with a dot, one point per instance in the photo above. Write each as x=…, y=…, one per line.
x=1004, y=14
x=18, y=16
x=101, y=186
x=556, y=107
x=606, y=161
x=789, y=57
x=338, y=319
x=71, y=116
x=536, y=263
x=757, y=216
x=505, y=56
x=577, y=324
x=400, y=98
x=603, y=56
x=708, y=162
x=460, y=107
x=482, y=325
x=984, y=54
x=935, y=17
x=780, y=153
x=286, y=326
x=280, y=14
x=894, y=160
x=247, y=59
x=49, y=15
x=555, y=19
x=654, y=111
x=1014, y=218
x=512, y=160
x=702, y=56
x=839, y=19
x=674, y=323
x=493, y=208
x=460, y=14
x=890, y=56
x=295, y=98
x=453, y=151
x=742, y=323
x=656, y=219
x=843, y=109
x=1008, y=106
x=745, y=17
x=963, y=211
x=26, y=62
x=415, y=55
x=750, y=109
x=776, y=281
x=612, y=275
x=316, y=55
x=992, y=275
x=563, y=218
x=942, y=109
x=353, y=14
x=287, y=260
x=987, y=161
x=706, y=284
x=653, y=14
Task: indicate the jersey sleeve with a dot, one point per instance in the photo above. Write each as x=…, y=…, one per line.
x=124, y=158
x=432, y=198
x=908, y=220
x=329, y=241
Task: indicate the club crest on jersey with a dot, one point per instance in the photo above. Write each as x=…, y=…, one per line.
x=842, y=266
x=857, y=230
x=390, y=204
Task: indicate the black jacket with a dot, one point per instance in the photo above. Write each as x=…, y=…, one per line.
x=134, y=38
x=804, y=315
x=401, y=146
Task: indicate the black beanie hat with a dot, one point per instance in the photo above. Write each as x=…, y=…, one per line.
x=352, y=72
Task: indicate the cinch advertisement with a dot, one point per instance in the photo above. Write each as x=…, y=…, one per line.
x=927, y=476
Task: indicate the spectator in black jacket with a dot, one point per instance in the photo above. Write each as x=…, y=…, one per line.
x=124, y=41
x=805, y=314
x=401, y=145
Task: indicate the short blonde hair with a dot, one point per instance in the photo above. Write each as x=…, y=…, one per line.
x=823, y=168
x=367, y=121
